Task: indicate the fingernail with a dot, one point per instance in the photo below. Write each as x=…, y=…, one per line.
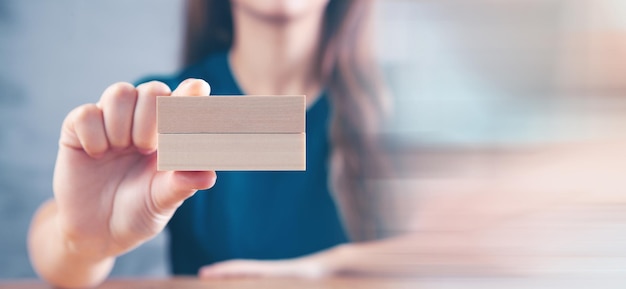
x=186, y=82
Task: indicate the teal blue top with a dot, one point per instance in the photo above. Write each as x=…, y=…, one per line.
x=257, y=215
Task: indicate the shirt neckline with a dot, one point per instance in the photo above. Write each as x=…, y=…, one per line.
x=233, y=79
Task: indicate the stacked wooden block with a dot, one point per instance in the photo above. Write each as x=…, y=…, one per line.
x=197, y=133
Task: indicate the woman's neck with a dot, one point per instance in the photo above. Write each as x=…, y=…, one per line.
x=277, y=56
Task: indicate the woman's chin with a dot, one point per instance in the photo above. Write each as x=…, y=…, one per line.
x=280, y=11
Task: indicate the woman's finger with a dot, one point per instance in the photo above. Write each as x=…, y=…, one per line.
x=83, y=128
x=144, y=131
x=192, y=87
x=118, y=106
x=170, y=189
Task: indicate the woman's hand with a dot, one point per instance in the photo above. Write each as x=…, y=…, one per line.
x=330, y=262
x=109, y=195
x=318, y=265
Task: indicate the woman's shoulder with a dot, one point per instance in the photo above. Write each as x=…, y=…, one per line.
x=212, y=69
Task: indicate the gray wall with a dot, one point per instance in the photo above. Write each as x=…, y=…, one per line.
x=55, y=55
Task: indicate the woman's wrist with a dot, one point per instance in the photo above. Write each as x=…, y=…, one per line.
x=79, y=247
x=54, y=259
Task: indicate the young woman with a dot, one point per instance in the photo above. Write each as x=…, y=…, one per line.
x=109, y=198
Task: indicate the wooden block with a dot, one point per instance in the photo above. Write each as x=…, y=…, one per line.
x=231, y=133
x=231, y=114
x=249, y=152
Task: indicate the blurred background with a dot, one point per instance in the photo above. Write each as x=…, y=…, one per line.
x=466, y=75
x=56, y=55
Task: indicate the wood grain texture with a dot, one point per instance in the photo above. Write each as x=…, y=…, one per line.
x=268, y=283
x=231, y=114
x=228, y=152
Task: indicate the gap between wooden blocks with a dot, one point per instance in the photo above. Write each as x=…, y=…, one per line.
x=231, y=133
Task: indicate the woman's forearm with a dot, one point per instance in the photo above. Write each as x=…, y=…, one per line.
x=411, y=255
x=55, y=261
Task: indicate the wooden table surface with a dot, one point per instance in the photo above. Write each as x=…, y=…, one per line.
x=569, y=282
x=194, y=283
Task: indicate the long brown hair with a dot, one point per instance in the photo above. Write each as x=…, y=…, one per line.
x=358, y=98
